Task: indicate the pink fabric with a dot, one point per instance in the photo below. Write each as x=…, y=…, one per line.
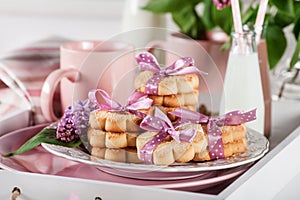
x=14, y=111
x=24, y=71
x=10, y=102
x=7, y=108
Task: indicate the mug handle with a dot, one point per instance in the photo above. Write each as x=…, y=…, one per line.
x=49, y=88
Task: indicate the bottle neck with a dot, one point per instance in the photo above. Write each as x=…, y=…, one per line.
x=243, y=43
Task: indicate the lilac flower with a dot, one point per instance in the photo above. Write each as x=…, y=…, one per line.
x=221, y=3
x=74, y=121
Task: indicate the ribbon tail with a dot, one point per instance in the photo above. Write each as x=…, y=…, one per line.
x=181, y=63
x=160, y=114
x=239, y=117
x=189, y=115
x=110, y=104
x=151, y=123
x=143, y=103
x=187, y=70
x=187, y=135
x=215, y=142
x=147, y=62
x=134, y=97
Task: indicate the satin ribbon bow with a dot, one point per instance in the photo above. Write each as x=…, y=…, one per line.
x=160, y=123
x=216, y=148
x=147, y=62
x=135, y=101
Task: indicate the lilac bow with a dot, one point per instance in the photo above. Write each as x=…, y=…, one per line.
x=160, y=123
x=147, y=62
x=135, y=101
x=216, y=148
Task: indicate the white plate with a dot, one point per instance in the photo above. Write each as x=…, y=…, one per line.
x=40, y=161
x=257, y=146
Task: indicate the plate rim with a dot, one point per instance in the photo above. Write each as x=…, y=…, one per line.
x=166, y=169
x=193, y=184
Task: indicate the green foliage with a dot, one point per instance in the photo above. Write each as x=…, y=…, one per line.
x=189, y=21
x=281, y=14
x=47, y=135
x=276, y=43
x=295, y=57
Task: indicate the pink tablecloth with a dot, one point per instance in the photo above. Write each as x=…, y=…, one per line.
x=15, y=112
x=24, y=71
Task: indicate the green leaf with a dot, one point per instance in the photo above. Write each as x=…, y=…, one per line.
x=164, y=6
x=296, y=29
x=227, y=44
x=223, y=18
x=282, y=19
x=249, y=16
x=189, y=22
x=286, y=6
x=276, y=44
x=297, y=8
x=207, y=14
x=183, y=13
x=295, y=57
x=47, y=135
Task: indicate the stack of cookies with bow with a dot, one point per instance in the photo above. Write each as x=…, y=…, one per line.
x=113, y=128
x=171, y=87
x=173, y=134
x=160, y=126
x=193, y=137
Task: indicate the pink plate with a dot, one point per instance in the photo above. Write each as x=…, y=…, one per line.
x=40, y=161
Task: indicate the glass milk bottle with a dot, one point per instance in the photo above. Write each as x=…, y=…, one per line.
x=242, y=83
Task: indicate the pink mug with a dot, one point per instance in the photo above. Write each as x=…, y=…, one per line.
x=85, y=65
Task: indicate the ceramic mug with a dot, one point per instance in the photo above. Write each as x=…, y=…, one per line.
x=85, y=65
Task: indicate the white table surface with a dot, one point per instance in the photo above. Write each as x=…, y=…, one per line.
x=276, y=176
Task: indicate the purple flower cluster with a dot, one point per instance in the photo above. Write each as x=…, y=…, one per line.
x=74, y=121
x=221, y=3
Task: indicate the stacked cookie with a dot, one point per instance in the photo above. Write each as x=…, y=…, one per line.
x=170, y=151
x=172, y=91
x=233, y=141
x=169, y=87
x=112, y=135
x=168, y=129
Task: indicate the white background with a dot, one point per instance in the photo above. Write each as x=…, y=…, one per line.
x=26, y=21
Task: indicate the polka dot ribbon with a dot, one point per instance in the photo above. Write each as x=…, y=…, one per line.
x=147, y=62
x=135, y=101
x=160, y=123
x=216, y=148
